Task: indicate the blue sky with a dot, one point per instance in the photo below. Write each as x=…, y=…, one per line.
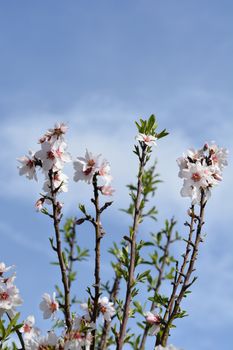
x=99, y=65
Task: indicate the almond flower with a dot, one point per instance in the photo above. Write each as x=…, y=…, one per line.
x=85, y=167
x=49, y=305
x=28, y=328
x=201, y=170
x=53, y=156
x=106, y=308
x=28, y=167
x=3, y=268
x=154, y=320
x=149, y=140
x=39, y=205
x=47, y=342
x=60, y=183
x=107, y=190
x=9, y=296
x=54, y=134
x=80, y=335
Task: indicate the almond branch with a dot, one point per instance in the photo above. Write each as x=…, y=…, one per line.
x=183, y=275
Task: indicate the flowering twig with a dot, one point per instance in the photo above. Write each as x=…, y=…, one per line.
x=182, y=277
x=98, y=236
x=63, y=268
x=136, y=221
x=161, y=272
x=107, y=325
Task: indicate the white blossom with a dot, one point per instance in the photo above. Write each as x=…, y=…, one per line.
x=49, y=305
x=149, y=140
x=9, y=296
x=106, y=308
x=60, y=183
x=107, y=190
x=104, y=171
x=154, y=320
x=28, y=167
x=85, y=167
x=28, y=329
x=53, y=156
x=54, y=134
x=3, y=268
x=201, y=170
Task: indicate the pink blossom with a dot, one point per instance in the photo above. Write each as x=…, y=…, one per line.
x=49, y=305
x=85, y=167
x=9, y=296
x=3, y=268
x=107, y=190
x=39, y=204
x=149, y=140
x=154, y=320
x=28, y=167
x=106, y=308
x=53, y=156
x=28, y=328
x=54, y=134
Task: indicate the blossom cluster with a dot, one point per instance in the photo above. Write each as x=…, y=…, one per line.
x=9, y=293
x=201, y=170
x=51, y=158
x=78, y=337
x=88, y=166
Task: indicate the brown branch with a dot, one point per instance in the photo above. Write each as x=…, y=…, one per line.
x=130, y=283
x=161, y=270
x=107, y=325
x=98, y=236
x=71, y=243
x=56, y=222
x=183, y=277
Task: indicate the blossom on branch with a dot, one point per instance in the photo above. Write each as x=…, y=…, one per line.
x=9, y=295
x=85, y=167
x=53, y=156
x=201, y=170
x=4, y=269
x=106, y=308
x=154, y=320
x=28, y=167
x=54, y=134
x=49, y=305
x=28, y=329
x=149, y=140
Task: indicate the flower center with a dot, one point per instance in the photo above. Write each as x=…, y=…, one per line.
x=27, y=328
x=30, y=163
x=77, y=335
x=53, y=306
x=147, y=138
x=59, y=153
x=196, y=177
x=103, y=309
x=4, y=296
x=50, y=155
